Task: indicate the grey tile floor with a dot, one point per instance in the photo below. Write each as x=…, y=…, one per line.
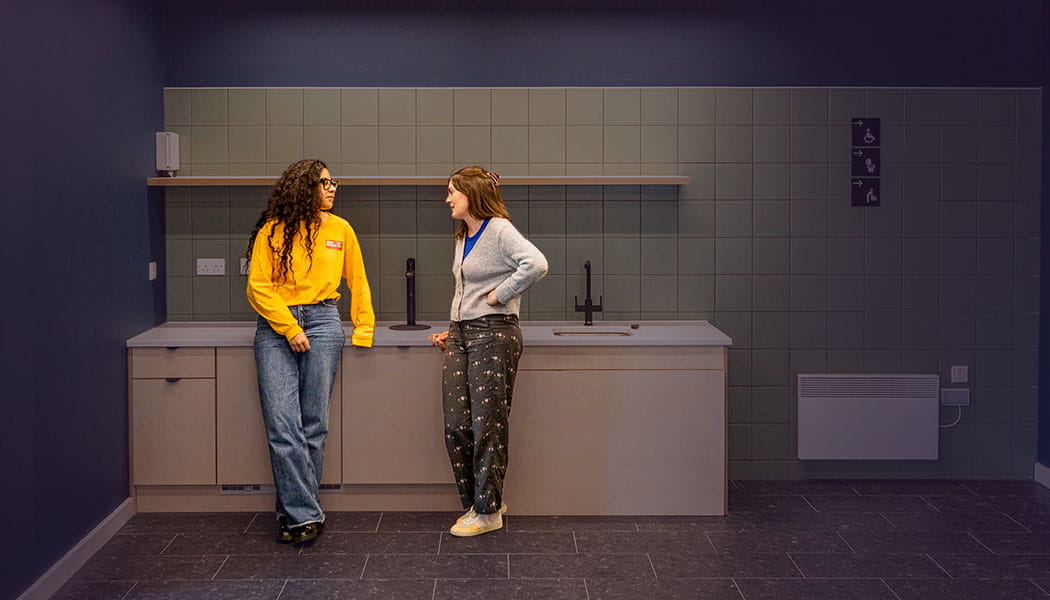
x=782, y=540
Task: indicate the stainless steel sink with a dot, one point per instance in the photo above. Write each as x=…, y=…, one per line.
x=591, y=330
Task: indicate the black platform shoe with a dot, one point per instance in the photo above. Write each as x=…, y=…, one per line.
x=299, y=533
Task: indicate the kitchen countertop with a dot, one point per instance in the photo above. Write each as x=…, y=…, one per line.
x=536, y=333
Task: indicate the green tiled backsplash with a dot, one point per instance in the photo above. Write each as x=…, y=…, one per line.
x=764, y=242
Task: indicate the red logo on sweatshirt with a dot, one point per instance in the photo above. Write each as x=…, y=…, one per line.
x=336, y=244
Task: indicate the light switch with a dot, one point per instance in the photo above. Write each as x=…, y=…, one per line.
x=960, y=374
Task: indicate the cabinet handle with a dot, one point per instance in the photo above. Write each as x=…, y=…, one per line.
x=173, y=379
x=171, y=348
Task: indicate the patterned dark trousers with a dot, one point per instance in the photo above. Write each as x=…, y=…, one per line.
x=481, y=361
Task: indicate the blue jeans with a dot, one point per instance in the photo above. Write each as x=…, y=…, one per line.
x=294, y=389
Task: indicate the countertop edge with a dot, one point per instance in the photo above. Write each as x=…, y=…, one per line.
x=240, y=334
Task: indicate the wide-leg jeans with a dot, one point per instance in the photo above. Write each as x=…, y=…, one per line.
x=294, y=389
x=478, y=372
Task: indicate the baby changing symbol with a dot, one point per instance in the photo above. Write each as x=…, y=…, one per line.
x=865, y=191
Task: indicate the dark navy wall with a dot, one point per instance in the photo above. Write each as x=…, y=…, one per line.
x=590, y=42
x=17, y=336
x=91, y=230
x=1044, y=264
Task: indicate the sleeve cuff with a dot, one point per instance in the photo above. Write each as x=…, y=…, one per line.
x=363, y=341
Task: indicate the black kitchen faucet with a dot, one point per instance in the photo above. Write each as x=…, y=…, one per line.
x=410, y=299
x=588, y=308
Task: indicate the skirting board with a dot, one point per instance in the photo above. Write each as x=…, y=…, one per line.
x=1042, y=475
x=64, y=568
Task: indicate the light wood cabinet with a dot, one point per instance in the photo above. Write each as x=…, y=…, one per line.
x=595, y=430
x=173, y=416
x=392, y=416
x=591, y=442
x=242, y=452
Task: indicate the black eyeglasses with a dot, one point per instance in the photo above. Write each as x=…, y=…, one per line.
x=326, y=183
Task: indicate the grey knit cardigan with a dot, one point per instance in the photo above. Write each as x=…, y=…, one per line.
x=502, y=260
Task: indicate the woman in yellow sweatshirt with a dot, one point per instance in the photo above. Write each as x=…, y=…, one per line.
x=298, y=254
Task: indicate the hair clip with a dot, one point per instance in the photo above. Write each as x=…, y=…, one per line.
x=494, y=177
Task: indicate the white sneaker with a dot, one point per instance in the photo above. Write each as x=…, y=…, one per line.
x=477, y=525
x=470, y=514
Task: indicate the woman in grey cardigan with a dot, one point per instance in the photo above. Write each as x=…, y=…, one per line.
x=493, y=265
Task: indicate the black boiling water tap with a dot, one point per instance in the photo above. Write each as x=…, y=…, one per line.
x=410, y=298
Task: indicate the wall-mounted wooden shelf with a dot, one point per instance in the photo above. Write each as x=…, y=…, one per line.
x=236, y=181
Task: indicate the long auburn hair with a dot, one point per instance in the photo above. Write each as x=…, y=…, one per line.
x=295, y=206
x=481, y=188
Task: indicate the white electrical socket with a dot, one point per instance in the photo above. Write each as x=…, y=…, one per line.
x=211, y=266
x=152, y=270
x=960, y=374
x=244, y=266
x=955, y=397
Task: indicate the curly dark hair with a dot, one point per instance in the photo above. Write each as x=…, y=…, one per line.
x=295, y=204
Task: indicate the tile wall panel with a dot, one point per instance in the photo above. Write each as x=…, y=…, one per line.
x=763, y=242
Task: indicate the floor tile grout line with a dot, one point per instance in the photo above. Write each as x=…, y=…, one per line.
x=131, y=589
x=970, y=533
x=586, y=590
x=1039, y=587
x=508, y=565
x=810, y=504
x=709, y=542
x=798, y=568
x=892, y=591
x=845, y=541
x=364, y=566
x=379, y=522
x=649, y=557
x=434, y=590
x=930, y=504
x=1022, y=525
x=927, y=554
x=216, y=573
x=280, y=593
x=887, y=519
x=738, y=589
x=575, y=543
x=168, y=545
x=248, y=527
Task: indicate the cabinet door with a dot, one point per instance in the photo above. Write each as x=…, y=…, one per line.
x=608, y=442
x=174, y=431
x=393, y=429
x=243, y=456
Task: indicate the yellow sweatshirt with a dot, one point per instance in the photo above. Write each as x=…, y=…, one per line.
x=336, y=255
